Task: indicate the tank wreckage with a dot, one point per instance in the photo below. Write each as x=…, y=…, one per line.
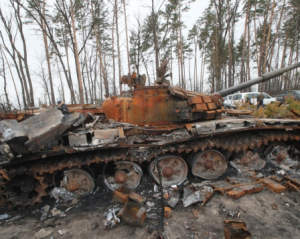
x=147, y=127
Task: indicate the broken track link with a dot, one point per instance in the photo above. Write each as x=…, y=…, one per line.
x=236, y=143
x=12, y=199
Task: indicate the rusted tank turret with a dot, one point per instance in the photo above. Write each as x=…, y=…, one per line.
x=158, y=126
x=162, y=105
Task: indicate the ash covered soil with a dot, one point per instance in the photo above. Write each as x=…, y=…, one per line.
x=266, y=214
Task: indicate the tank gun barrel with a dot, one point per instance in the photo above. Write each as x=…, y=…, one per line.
x=262, y=78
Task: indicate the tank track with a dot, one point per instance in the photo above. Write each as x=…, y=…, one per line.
x=11, y=199
x=41, y=168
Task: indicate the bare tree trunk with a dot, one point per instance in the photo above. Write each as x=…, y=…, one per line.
x=78, y=71
x=283, y=60
x=47, y=53
x=195, y=67
x=277, y=31
x=171, y=63
x=24, y=80
x=61, y=83
x=83, y=66
x=13, y=56
x=48, y=31
x=102, y=69
x=277, y=80
x=202, y=72
x=256, y=43
x=12, y=77
x=87, y=93
x=126, y=31
x=190, y=79
x=118, y=43
x=248, y=54
x=95, y=79
x=262, y=46
x=214, y=62
x=242, y=75
x=287, y=80
x=24, y=58
x=156, y=48
x=268, y=38
x=5, y=87
x=149, y=82
x=178, y=58
x=181, y=52
x=73, y=99
x=113, y=50
x=229, y=47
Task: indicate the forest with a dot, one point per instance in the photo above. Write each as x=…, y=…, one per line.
x=88, y=45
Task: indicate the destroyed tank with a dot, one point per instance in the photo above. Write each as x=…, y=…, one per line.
x=163, y=129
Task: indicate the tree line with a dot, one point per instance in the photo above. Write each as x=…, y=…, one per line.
x=230, y=42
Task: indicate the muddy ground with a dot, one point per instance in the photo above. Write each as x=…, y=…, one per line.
x=268, y=215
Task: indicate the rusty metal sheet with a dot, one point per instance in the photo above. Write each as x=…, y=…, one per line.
x=76, y=140
x=239, y=112
x=240, y=191
x=291, y=187
x=206, y=99
x=195, y=100
x=210, y=114
x=255, y=189
x=234, y=229
x=105, y=134
x=168, y=212
x=177, y=92
x=218, y=113
x=19, y=116
x=199, y=108
x=235, y=194
x=295, y=179
x=134, y=214
x=121, y=195
x=186, y=93
x=136, y=197
x=121, y=133
x=211, y=106
x=273, y=186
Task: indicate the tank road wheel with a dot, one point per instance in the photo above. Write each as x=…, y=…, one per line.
x=277, y=151
x=209, y=164
x=78, y=181
x=173, y=170
x=126, y=174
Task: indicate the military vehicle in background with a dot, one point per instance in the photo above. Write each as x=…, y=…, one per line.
x=285, y=94
x=145, y=129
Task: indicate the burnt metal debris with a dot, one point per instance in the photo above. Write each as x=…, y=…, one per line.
x=162, y=127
